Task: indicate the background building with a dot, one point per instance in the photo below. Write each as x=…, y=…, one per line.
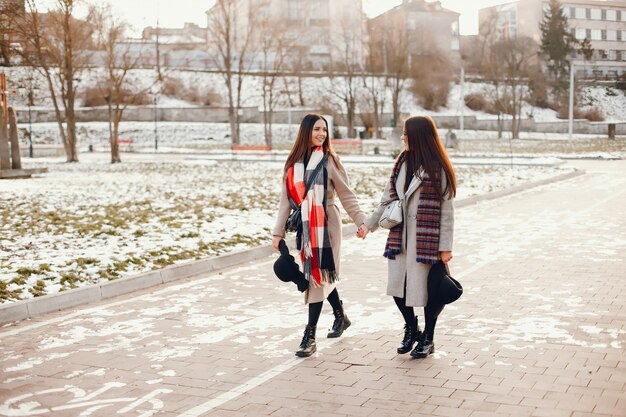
x=10, y=10
x=318, y=30
x=603, y=22
x=427, y=27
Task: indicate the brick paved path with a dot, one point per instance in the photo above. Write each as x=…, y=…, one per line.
x=540, y=330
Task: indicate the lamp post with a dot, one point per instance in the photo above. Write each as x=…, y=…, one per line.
x=30, y=123
x=28, y=91
x=107, y=98
x=156, y=131
x=571, y=101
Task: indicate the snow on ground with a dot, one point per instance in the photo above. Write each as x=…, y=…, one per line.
x=91, y=222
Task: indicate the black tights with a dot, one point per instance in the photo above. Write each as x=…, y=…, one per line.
x=315, y=309
x=431, y=313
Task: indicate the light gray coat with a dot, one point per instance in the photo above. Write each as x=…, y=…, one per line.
x=405, y=267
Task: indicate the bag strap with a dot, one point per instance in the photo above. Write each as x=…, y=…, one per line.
x=314, y=174
x=308, y=184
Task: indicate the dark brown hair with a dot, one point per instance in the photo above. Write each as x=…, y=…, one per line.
x=425, y=151
x=302, y=146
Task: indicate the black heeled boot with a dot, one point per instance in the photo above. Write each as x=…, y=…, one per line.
x=411, y=334
x=340, y=324
x=307, y=346
x=425, y=347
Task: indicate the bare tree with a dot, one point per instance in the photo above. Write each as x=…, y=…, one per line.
x=491, y=66
x=54, y=45
x=517, y=56
x=347, y=87
x=375, y=87
x=275, y=46
x=232, y=25
x=119, y=90
x=395, y=64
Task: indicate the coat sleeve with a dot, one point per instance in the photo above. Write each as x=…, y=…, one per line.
x=337, y=174
x=372, y=220
x=283, y=212
x=446, y=228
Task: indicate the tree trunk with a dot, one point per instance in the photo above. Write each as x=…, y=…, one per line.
x=71, y=133
x=5, y=157
x=115, y=147
x=16, y=157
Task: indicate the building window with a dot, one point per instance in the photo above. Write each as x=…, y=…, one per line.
x=611, y=15
x=596, y=14
x=624, y=35
x=581, y=33
x=580, y=13
x=293, y=10
x=319, y=9
x=455, y=28
x=596, y=35
x=612, y=55
x=623, y=15
x=611, y=35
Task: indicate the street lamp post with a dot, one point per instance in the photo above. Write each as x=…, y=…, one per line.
x=28, y=91
x=571, y=101
x=30, y=123
x=156, y=132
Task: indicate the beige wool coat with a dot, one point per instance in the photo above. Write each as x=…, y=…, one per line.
x=405, y=269
x=337, y=185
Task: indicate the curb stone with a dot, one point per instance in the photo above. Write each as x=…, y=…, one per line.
x=28, y=309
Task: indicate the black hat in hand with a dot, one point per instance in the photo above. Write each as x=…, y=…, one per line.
x=286, y=268
x=442, y=288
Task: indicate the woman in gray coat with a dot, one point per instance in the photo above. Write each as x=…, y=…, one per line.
x=423, y=180
x=319, y=237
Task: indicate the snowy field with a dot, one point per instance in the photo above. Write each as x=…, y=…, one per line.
x=91, y=222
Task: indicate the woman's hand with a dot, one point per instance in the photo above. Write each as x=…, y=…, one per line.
x=445, y=256
x=363, y=231
x=275, y=241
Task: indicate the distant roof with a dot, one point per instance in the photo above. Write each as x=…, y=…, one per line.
x=420, y=6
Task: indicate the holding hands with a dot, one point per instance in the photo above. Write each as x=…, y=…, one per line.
x=363, y=231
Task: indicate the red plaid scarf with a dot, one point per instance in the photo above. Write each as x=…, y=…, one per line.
x=428, y=219
x=316, y=253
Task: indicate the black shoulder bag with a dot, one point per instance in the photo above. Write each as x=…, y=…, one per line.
x=294, y=221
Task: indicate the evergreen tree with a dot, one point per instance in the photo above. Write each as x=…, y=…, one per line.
x=556, y=44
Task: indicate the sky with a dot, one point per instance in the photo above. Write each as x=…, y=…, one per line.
x=142, y=13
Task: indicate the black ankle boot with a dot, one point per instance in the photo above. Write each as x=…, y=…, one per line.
x=425, y=347
x=307, y=346
x=411, y=334
x=340, y=324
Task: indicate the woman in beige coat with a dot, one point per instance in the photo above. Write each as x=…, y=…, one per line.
x=423, y=179
x=319, y=237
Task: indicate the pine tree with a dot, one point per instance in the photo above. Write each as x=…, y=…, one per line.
x=556, y=44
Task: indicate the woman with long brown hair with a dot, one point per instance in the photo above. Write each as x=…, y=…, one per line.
x=319, y=234
x=423, y=180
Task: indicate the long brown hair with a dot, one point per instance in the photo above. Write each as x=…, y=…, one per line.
x=302, y=146
x=425, y=151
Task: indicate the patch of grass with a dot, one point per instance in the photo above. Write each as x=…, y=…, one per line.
x=69, y=280
x=9, y=295
x=39, y=289
x=84, y=262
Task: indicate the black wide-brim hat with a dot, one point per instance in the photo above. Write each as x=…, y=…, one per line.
x=442, y=287
x=287, y=270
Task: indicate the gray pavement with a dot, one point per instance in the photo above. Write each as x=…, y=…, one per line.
x=539, y=331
